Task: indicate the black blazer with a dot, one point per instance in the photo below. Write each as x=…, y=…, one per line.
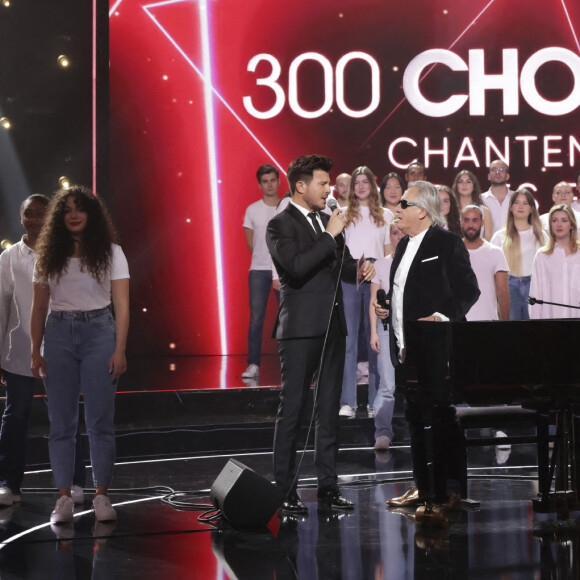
x=440, y=279
x=308, y=267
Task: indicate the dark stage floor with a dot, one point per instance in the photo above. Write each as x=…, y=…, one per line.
x=503, y=538
x=177, y=426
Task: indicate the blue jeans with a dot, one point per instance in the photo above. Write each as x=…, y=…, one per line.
x=77, y=350
x=519, y=292
x=14, y=433
x=259, y=282
x=384, y=403
x=353, y=299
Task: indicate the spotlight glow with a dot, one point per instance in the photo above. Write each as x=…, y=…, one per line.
x=63, y=61
x=64, y=182
x=5, y=123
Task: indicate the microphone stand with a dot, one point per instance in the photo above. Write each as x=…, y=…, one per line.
x=532, y=301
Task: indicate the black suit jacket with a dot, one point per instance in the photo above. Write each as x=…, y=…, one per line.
x=308, y=266
x=440, y=279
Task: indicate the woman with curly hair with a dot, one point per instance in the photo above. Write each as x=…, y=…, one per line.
x=366, y=234
x=468, y=192
x=521, y=237
x=78, y=270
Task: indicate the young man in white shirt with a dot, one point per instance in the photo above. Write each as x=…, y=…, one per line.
x=415, y=172
x=490, y=267
x=16, y=271
x=497, y=197
x=256, y=219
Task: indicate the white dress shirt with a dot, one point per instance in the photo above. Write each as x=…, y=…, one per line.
x=498, y=210
x=399, y=282
x=16, y=268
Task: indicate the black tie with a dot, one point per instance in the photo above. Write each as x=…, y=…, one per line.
x=312, y=216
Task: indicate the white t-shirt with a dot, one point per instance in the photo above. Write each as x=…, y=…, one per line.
x=556, y=278
x=486, y=261
x=16, y=268
x=364, y=237
x=79, y=290
x=498, y=210
x=529, y=247
x=257, y=216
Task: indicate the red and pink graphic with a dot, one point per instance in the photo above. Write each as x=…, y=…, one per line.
x=203, y=93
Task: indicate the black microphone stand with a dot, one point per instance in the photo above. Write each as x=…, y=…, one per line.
x=532, y=301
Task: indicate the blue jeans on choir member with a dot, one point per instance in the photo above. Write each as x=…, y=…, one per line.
x=77, y=350
x=352, y=300
x=259, y=282
x=519, y=287
x=384, y=403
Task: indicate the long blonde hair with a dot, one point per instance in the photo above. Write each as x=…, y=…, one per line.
x=574, y=246
x=352, y=212
x=511, y=244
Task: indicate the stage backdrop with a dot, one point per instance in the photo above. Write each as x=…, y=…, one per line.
x=202, y=93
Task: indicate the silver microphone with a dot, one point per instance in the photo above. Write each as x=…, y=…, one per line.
x=331, y=204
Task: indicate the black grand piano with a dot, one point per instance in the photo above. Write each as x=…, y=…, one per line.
x=532, y=363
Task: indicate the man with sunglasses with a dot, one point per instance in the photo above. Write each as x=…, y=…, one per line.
x=497, y=198
x=431, y=280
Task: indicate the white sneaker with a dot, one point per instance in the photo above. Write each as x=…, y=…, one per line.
x=104, y=511
x=251, y=372
x=7, y=497
x=371, y=412
x=63, y=510
x=502, y=446
x=382, y=443
x=77, y=494
x=347, y=411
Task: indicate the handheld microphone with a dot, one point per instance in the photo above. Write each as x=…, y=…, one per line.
x=331, y=204
x=382, y=300
x=532, y=301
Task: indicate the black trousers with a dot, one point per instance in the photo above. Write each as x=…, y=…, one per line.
x=436, y=439
x=299, y=360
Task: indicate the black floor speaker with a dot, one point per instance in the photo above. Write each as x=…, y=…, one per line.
x=244, y=498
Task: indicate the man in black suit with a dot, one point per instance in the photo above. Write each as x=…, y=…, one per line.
x=431, y=280
x=309, y=253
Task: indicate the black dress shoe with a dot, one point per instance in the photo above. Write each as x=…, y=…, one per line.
x=293, y=505
x=333, y=498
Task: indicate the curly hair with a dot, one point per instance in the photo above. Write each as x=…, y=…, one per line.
x=56, y=244
x=376, y=211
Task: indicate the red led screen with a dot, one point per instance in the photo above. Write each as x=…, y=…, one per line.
x=203, y=93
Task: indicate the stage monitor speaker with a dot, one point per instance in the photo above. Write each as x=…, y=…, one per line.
x=244, y=498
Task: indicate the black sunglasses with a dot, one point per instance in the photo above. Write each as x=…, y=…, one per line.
x=405, y=204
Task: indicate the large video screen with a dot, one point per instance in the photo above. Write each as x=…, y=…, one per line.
x=203, y=93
